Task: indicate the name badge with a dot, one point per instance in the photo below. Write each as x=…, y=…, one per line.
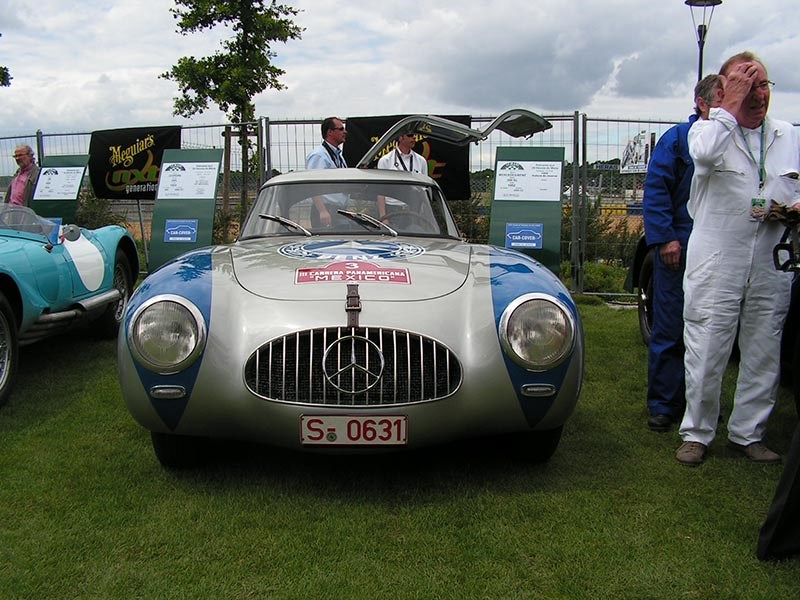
x=758, y=209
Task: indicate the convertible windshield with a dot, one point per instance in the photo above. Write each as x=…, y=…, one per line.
x=375, y=208
x=21, y=218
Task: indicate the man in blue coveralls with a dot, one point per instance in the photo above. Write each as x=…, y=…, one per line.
x=666, y=228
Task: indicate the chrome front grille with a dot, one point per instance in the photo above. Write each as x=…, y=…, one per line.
x=363, y=366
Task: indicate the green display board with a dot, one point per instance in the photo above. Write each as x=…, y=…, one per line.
x=183, y=218
x=59, y=185
x=526, y=206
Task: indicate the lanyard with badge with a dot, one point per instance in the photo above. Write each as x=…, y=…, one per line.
x=399, y=157
x=335, y=155
x=758, y=205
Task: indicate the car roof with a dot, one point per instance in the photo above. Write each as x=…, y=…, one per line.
x=350, y=175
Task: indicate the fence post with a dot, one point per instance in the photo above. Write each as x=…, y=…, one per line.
x=584, y=199
x=575, y=254
x=244, y=141
x=40, y=145
x=265, y=154
x=226, y=172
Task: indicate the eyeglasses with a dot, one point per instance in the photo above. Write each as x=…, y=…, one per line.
x=337, y=128
x=764, y=85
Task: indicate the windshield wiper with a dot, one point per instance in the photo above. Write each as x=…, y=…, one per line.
x=365, y=219
x=288, y=223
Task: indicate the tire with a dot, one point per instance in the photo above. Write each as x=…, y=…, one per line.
x=645, y=296
x=107, y=325
x=9, y=349
x=179, y=451
x=535, y=446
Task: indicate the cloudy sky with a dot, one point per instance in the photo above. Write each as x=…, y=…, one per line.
x=95, y=64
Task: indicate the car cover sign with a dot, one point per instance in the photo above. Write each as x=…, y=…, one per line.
x=352, y=272
x=524, y=235
x=180, y=230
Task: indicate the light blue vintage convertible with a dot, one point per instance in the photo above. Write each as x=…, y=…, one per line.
x=54, y=277
x=379, y=330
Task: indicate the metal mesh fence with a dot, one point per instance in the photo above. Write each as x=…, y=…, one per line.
x=601, y=203
x=611, y=195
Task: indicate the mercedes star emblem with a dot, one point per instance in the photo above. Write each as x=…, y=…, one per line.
x=353, y=364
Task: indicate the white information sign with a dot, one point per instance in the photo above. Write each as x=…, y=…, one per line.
x=59, y=183
x=528, y=180
x=188, y=180
x=634, y=158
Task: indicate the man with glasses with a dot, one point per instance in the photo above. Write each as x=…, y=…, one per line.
x=743, y=161
x=402, y=158
x=327, y=155
x=22, y=186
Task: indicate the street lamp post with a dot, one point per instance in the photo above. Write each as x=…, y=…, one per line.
x=702, y=28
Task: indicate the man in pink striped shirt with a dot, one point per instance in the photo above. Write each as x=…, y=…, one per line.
x=22, y=186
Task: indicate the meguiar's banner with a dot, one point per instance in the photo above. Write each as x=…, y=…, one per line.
x=125, y=163
x=448, y=164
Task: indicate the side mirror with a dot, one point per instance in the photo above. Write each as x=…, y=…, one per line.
x=71, y=233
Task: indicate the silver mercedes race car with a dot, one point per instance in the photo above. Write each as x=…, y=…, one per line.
x=381, y=330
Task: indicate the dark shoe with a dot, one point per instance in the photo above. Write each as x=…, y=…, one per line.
x=691, y=454
x=660, y=423
x=758, y=453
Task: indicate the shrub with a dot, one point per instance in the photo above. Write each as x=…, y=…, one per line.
x=608, y=239
x=93, y=212
x=226, y=227
x=587, y=300
x=603, y=278
x=598, y=278
x=472, y=218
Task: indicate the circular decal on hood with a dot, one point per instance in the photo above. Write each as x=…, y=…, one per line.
x=336, y=250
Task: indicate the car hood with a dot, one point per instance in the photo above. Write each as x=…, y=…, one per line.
x=400, y=269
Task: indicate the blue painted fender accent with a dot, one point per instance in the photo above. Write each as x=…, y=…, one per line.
x=514, y=274
x=192, y=271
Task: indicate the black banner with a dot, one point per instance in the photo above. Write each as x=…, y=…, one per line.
x=447, y=164
x=125, y=163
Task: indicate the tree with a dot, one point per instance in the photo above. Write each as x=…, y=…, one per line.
x=231, y=78
x=5, y=76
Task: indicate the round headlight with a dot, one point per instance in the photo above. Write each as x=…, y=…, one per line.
x=537, y=332
x=166, y=334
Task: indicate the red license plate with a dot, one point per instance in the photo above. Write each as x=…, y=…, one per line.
x=353, y=430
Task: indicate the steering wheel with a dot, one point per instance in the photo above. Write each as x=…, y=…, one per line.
x=428, y=226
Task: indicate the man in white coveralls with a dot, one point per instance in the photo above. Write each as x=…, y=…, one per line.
x=743, y=161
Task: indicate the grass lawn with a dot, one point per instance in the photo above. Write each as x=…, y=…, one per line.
x=87, y=512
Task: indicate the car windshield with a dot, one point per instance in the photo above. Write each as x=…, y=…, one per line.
x=21, y=218
x=382, y=208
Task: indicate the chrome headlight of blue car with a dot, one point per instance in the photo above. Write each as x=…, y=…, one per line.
x=537, y=332
x=166, y=334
